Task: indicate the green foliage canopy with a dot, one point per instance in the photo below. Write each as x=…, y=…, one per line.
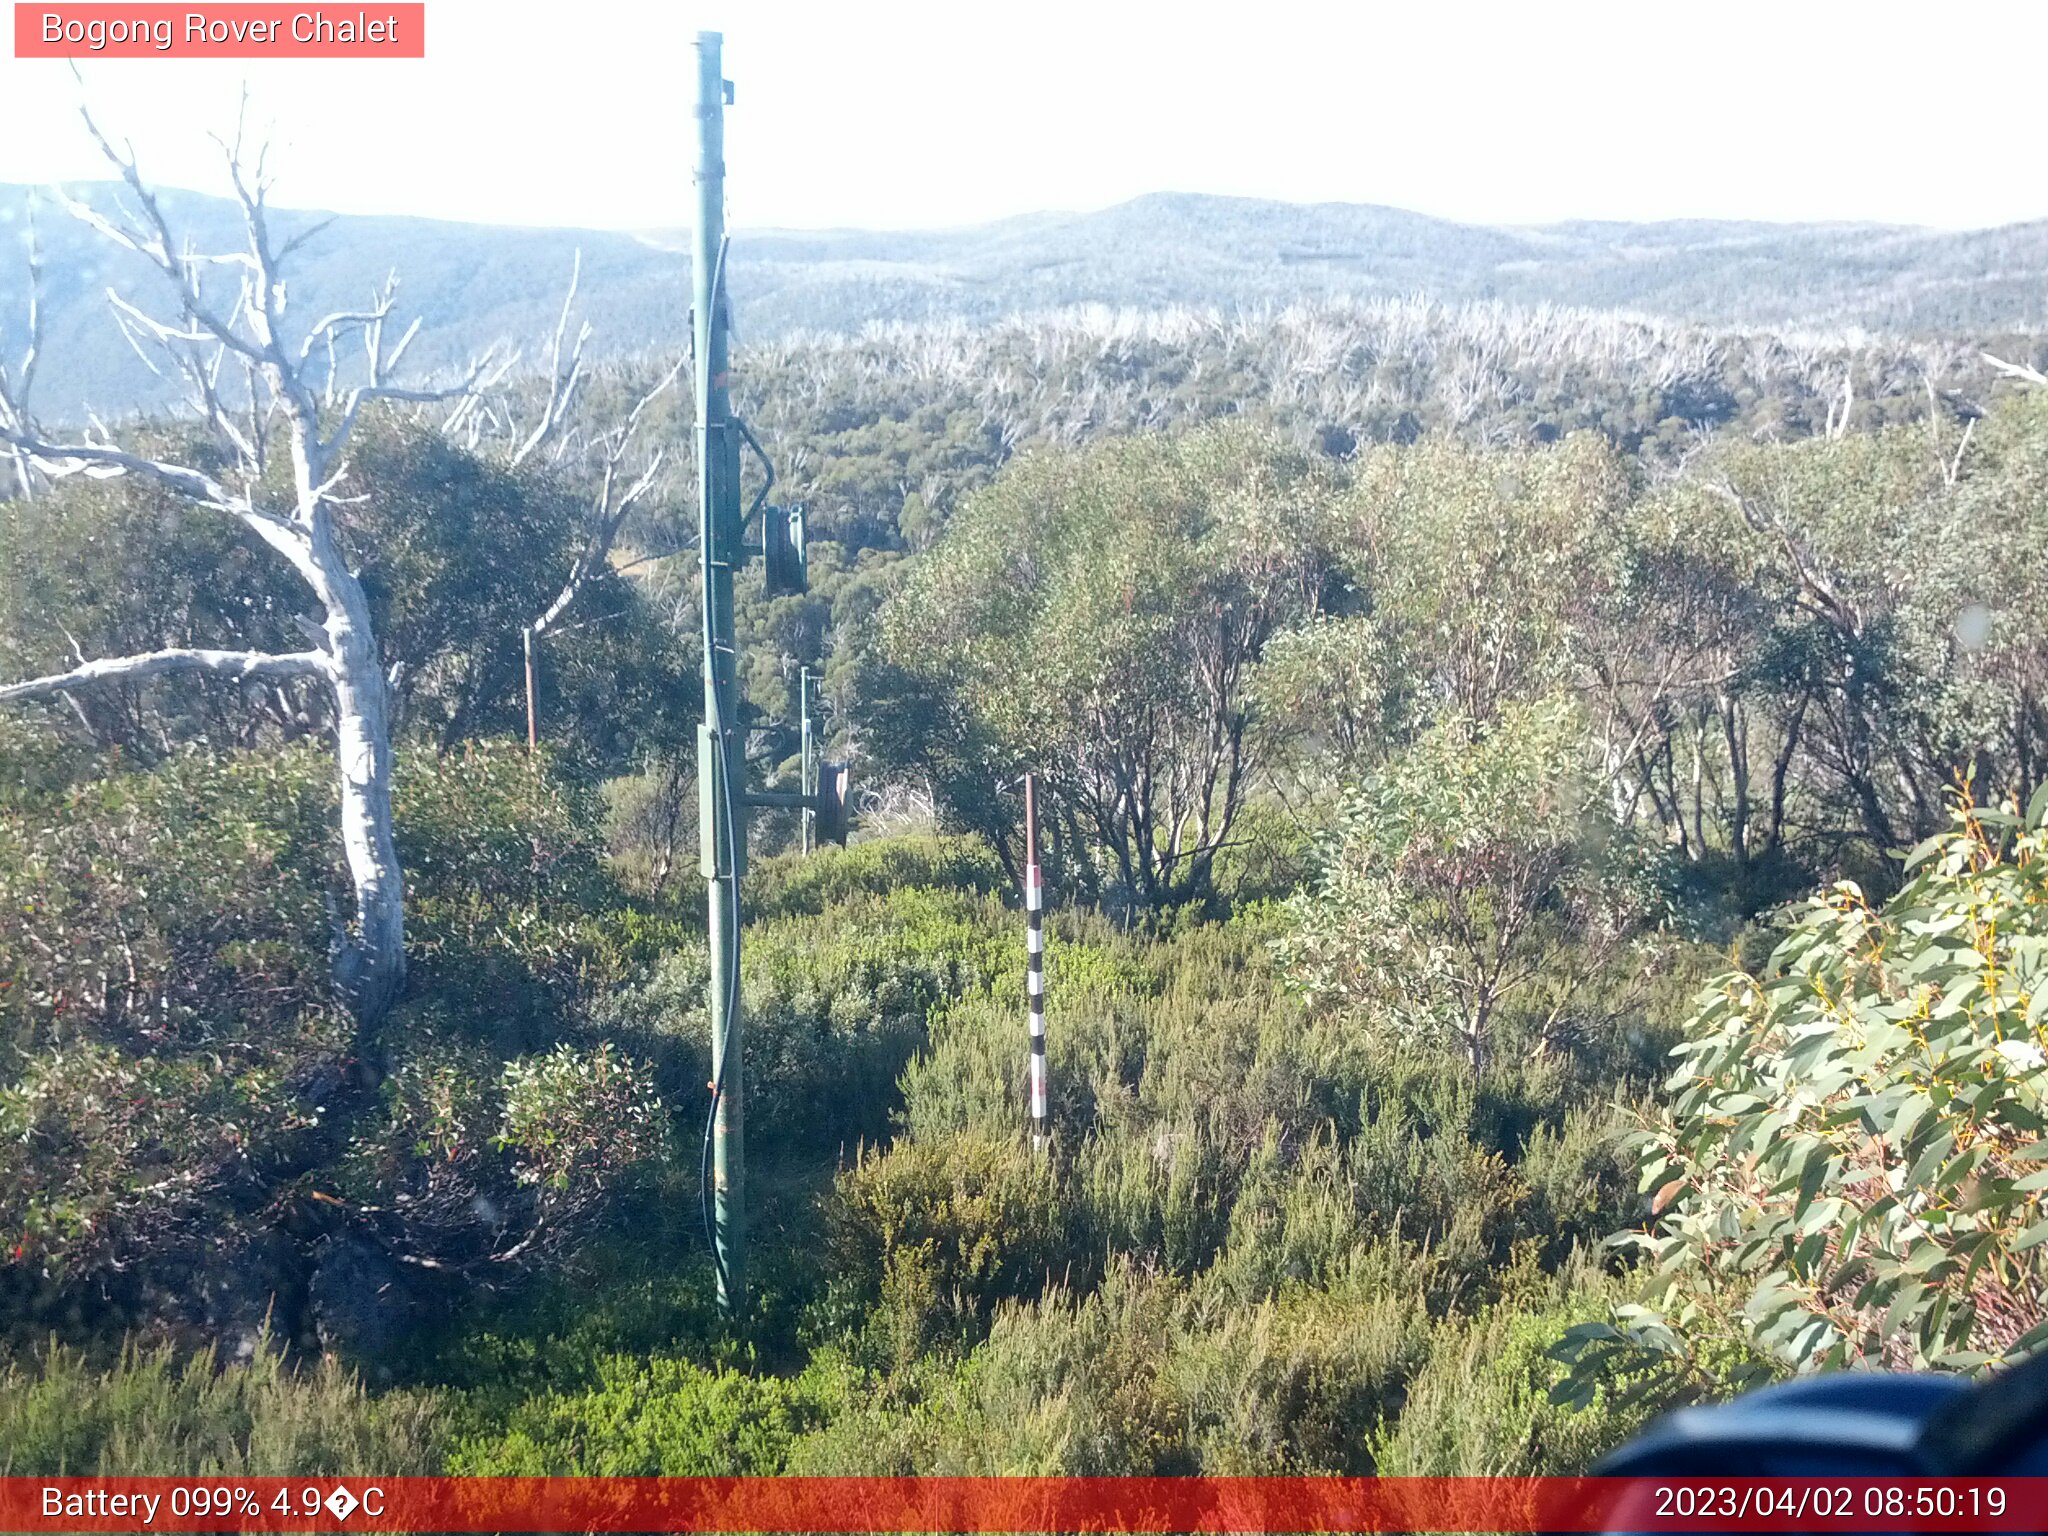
x=1851, y=1167
x=1470, y=866
x=1093, y=617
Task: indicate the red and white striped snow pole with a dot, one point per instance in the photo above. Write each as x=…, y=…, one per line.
x=1034, y=967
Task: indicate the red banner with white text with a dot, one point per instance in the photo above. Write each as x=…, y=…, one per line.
x=1023, y=1504
x=237, y=31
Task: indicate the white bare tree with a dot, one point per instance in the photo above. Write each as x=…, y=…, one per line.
x=21, y=380
x=622, y=470
x=231, y=320
x=621, y=485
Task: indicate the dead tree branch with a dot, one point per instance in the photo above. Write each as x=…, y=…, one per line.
x=248, y=328
x=239, y=666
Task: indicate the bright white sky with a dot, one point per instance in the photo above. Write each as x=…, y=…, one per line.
x=894, y=114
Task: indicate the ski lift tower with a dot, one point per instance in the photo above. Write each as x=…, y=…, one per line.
x=722, y=796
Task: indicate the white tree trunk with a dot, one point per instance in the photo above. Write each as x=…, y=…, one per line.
x=285, y=387
x=372, y=963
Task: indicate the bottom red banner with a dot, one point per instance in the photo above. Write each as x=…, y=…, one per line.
x=1021, y=1504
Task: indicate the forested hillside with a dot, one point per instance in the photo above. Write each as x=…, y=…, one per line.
x=474, y=283
x=1441, y=714
x=1240, y=252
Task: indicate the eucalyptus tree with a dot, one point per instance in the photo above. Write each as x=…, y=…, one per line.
x=1698, y=689
x=1473, y=891
x=1094, y=616
x=278, y=409
x=1848, y=1170
x=1474, y=561
x=1906, y=572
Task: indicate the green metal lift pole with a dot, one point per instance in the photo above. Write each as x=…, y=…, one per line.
x=721, y=758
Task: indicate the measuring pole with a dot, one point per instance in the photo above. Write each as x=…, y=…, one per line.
x=721, y=759
x=1034, y=961
x=532, y=718
x=803, y=695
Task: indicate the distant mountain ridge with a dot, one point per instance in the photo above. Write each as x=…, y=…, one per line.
x=476, y=283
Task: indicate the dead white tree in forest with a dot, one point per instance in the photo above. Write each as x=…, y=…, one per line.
x=621, y=486
x=2024, y=373
x=623, y=477
x=238, y=324
x=23, y=378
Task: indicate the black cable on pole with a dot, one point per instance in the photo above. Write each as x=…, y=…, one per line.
x=721, y=728
x=732, y=996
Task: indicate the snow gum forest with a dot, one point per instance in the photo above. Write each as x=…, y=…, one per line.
x=1544, y=817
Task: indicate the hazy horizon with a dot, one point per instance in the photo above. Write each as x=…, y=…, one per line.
x=1026, y=215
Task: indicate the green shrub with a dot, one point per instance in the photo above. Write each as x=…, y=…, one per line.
x=1068, y=1386
x=838, y=1004
x=1851, y=1167
x=576, y=1122
x=180, y=1077
x=1298, y=1383
x=1076, y=1385
x=835, y=1006
x=1269, y=856
x=148, y=1415
x=970, y=1075
x=1474, y=893
x=792, y=884
x=1144, y=1376
x=1482, y=1406
x=164, y=1003
x=938, y=1232
x=504, y=873
x=466, y=1157
x=1203, y=1119
x=499, y=1129
x=1159, y=1195
x=37, y=765
x=650, y=819
x=1580, y=1175
x=653, y=1418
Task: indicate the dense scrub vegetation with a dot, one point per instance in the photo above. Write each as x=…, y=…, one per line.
x=887, y=434
x=1412, y=788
